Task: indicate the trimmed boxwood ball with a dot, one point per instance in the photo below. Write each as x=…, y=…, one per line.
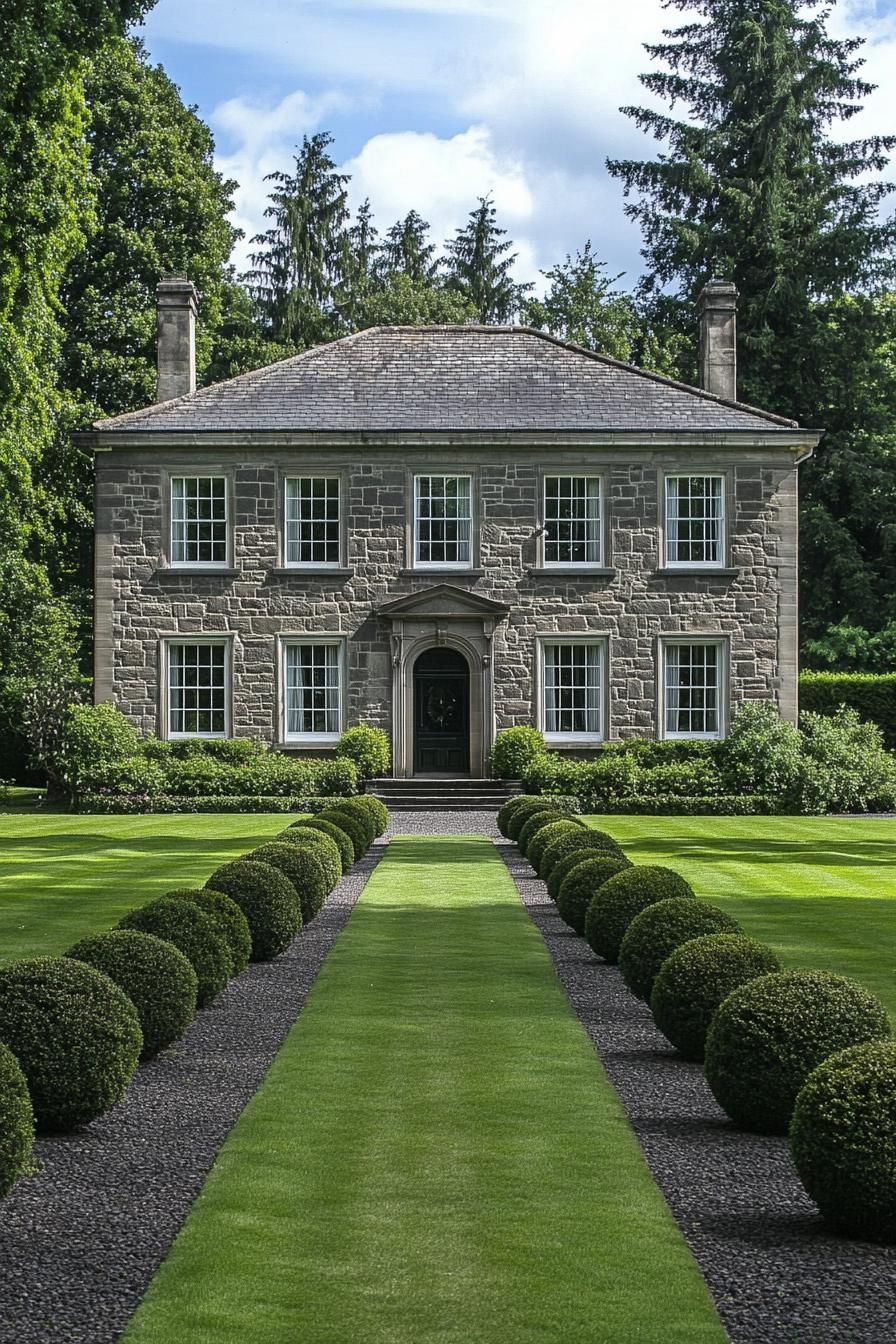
x=583, y=838
x=843, y=1137
x=370, y=807
x=155, y=975
x=656, y=932
x=269, y=901
x=304, y=869
x=351, y=827
x=227, y=916
x=16, y=1122
x=326, y=850
x=581, y=886
x=344, y=809
x=75, y=1034
x=192, y=931
x=696, y=978
x=526, y=810
x=335, y=833
x=625, y=895
x=536, y=823
x=545, y=834
x=506, y=811
x=769, y=1034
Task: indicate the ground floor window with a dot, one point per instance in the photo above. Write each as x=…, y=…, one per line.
x=313, y=680
x=197, y=689
x=572, y=688
x=693, y=689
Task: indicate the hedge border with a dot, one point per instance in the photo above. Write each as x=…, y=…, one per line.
x=100, y=804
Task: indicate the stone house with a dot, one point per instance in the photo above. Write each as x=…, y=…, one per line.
x=446, y=531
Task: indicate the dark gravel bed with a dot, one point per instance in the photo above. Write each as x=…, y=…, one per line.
x=443, y=823
x=80, y=1241
x=777, y=1276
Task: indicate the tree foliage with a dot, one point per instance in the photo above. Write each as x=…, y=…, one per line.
x=581, y=305
x=479, y=263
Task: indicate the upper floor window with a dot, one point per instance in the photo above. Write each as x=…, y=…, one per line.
x=695, y=520
x=198, y=520
x=692, y=688
x=572, y=695
x=443, y=521
x=198, y=688
x=313, y=684
x=312, y=520
x=572, y=520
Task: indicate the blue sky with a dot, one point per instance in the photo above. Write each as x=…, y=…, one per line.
x=434, y=102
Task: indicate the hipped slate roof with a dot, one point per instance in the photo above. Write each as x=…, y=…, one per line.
x=464, y=378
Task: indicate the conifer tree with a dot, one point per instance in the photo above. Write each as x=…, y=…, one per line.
x=480, y=264
x=408, y=251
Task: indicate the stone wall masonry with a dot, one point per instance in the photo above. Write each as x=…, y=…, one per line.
x=140, y=599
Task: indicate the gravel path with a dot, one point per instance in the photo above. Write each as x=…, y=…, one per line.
x=443, y=823
x=80, y=1242
x=776, y=1275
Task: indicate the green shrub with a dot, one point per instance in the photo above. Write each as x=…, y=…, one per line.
x=514, y=750
x=227, y=917
x=94, y=735
x=769, y=1034
x=267, y=899
x=654, y=934
x=581, y=885
x=75, y=1034
x=616, y=903
x=535, y=823
x=304, y=868
x=363, y=819
x=613, y=775
x=871, y=695
x=846, y=767
x=696, y=978
x=324, y=847
x=762, y=754
x=567, y=864
x=353, y=827
x=194, y=933
x=130, y=775
x=129, y=804
x=155, y=975
x=367, y=748
x=335, y=833
x=587, y=838
x=843, y=1137
x=522, y=814
x=16, y=1122
x=370, y=807
x=539, y=842
x=506, y=811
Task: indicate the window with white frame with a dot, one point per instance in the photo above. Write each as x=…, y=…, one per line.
x=198, y=520
x=313, y=690
x=312, y=520
x=443, y=521
x=695, y=520
x=693, y=689
x=197, y=689
x=572, y=521
x=572, y=688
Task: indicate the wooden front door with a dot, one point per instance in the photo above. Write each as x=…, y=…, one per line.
x=441, y=713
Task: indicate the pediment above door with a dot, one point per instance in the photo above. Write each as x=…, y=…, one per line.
x=443, y=601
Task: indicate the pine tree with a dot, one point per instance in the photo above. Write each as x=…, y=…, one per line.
x=296, y=272
x=361, y=252
x=479, y=266
x=408, y=251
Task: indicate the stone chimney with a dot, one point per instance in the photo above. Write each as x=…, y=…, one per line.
x=176, y=307
x=717, y=309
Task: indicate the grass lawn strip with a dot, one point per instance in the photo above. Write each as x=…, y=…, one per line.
x=777, y=1276
x=80, y=1242
x=820, y=890
x=436, y=1153
x=64, y=877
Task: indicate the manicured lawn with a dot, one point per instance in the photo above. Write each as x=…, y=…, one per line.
x=62, y=877
x=820, y=890
x=435, y=1155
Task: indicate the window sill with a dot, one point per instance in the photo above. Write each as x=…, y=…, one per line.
x=435, y=571
x=166, y=572
x=695, y=571
x=307, y=744
x=572, y=572
x=571, y=741
x=311, y=572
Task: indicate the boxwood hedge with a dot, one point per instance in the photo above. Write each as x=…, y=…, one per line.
x=304, y=869
x=584, y=838
x=333, y=832
x=228, y=918
x=16, y=1122
x=625, y=895
x=581, y=885
x=656, y=932
x=194, y=933
x=267, y=899
x=545, y=834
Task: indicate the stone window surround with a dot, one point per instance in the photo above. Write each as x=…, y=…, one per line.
x=226, y=639
x=198, y=468
x=722, y=640
x=292, y=474
x=284, y=638
x=555, y=566
x=697, y=468
x=472, y=470
x=603, y=641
